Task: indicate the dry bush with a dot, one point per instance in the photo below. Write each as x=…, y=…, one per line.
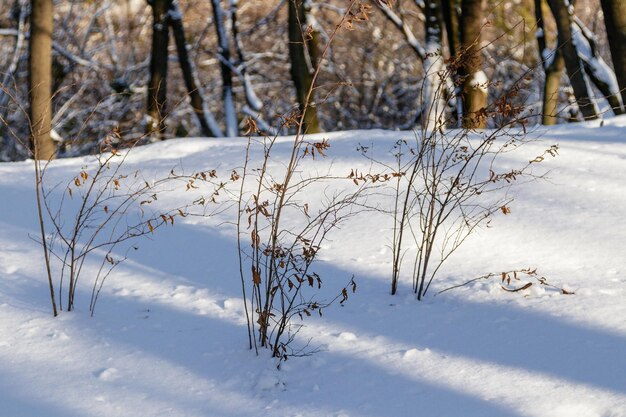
x=280, y=232
x=101, y=213
x=446, y=184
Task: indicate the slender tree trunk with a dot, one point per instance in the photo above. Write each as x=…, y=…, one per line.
x=303, y=51
x=451, y=20
x=551, y=89
x=575, y=70
x=40, y=79
x=615, y=21
x=251, y=98
x=433, y=100
x=553, y=65
x=450, y=11
x=475, y=88
x=230, y=113
x=157, y=87
x=197, y=101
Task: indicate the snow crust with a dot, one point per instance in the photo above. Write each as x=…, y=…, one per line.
x=168, y=337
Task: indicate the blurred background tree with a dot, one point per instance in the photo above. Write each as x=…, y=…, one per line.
x=109, y=65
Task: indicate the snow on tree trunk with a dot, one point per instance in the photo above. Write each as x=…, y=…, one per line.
x=242, y=69
x=561, y=10
x=615, y=22
x=432, y=97
x=475, y=84
x=596, y=69
x=402, y=26
x=230, y=114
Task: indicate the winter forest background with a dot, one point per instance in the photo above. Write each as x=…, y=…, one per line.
x=162, y=68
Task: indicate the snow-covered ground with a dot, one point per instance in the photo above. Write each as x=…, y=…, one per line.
x=169, y=338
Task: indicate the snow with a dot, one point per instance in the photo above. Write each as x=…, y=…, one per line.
x=230, y=114
x=400, y=24
x=548, y=57
x=168, y=337
x=432, y=100
x=253, y=100
x=479, y=80
x=174, y=12
x=599, y=68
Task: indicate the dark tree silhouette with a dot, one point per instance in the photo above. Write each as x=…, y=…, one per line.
x=303, y=49
x=615, y=22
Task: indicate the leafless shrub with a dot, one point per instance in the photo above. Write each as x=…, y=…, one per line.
x=280, y=232
x=448, y=184
x=101, y=213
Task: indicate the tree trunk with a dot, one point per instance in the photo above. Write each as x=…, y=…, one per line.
x=302, y=51
x=207, y=123
x=553, y=65
x=551, y=89
x=40, y=79
x=574, y=67
x=451, y=20
x=251, y=98
x=223, y=49
x=450, y=10
x=157, y=87
x=432, y=98
x=615, y=21
x=598, y=71
x=475, y=88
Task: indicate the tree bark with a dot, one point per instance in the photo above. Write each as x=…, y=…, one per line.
x=575, y=70
x=475, y=89
x=302, y=52
x=451, y=21
x=157, y=87
x=551, y=89
x=615, y=22
x=598, y=71
x=553, y=65
x=432, y=97
x=196, y=99
x=40, y=79
x=223, y=47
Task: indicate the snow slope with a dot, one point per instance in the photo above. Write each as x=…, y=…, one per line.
x=169, y=339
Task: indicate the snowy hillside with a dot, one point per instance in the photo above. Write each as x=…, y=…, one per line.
x=169, y=338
